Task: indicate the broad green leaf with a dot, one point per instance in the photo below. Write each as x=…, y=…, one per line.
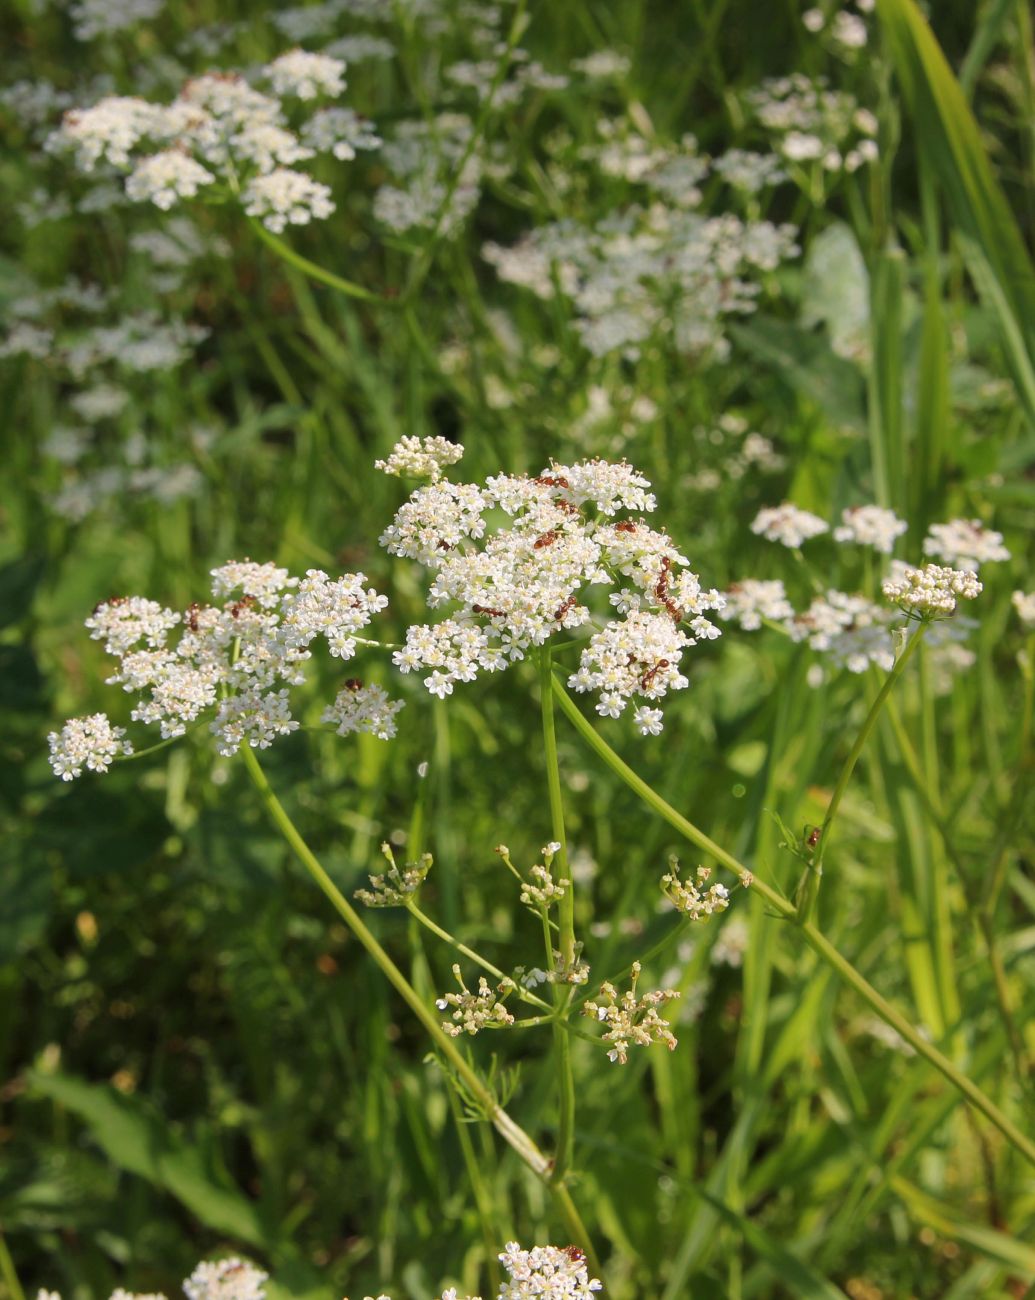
x=139, y=1142
x=807, y=362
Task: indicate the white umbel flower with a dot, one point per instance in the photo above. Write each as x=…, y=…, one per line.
x=932, y=590
x=787, y=525
x=306, y=76
x=284, y=197
x=870, y=526
x=966, y=543
x=163, y=178
x=90, y=742
x=546, y=1273
x=226, y=1279
x=362, y=708
x=1024, y=604
x=750, y=601
x=420, y=458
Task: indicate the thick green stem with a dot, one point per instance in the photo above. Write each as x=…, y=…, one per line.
x=566, y=918
x=814, y=874
x=812, y=936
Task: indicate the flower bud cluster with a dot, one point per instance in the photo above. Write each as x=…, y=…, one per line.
x=396, y=886
x=226, y=1279
x=631, y=1021
x=473, y=1012
x=932, y=590
x=694, y=898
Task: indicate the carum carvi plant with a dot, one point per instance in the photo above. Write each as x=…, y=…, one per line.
x=518, y=568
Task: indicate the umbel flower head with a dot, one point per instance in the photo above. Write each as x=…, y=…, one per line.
x=512, y=561
x=236, y=657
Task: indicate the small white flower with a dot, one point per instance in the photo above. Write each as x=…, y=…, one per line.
x=285, y=197
x=1024, y=604
x=870, y=526
x=306, y=75
x=966, y=543
x=932, y=589
x=90, y=742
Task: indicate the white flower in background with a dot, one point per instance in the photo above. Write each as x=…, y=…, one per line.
x=799, y=146
x=749, y=171
x=965, y=542
x=86, y=742
x=602, y=65
x=226, y=1279
x=787, y=525
x=340, y=131
x=285, y=197
x=165, y=177
x=750, y=601
x=851, y=630
x=107, y=132
x=1024, y=604
x=421, y=457
x=931, y=590
x=306, y=76
x=870, y=526
x=813, y=20
x=92, y=18
x=849, y=30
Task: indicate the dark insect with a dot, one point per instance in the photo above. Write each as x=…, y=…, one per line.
x=193, y=610
x=551, y=480
x=488, y=609
x=111, y=602
x=625, y=526
x=546, y=539
x=246, y=602
x=562, y=610
x=353, y=684
x=812, y=838
x=647, y=680
x=576, y=1255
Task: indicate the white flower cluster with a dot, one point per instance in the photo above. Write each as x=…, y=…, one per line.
x=750, y=601
x=360, y=708
x=92, y=18
x=421, y=458
x=226, y=1279
x=436, y=175
x=546, y=1273
x=787, y=525
x=631, y=1020
x=932, y=590
x=814, y=124
x=965, y=543
x=513, y=584
x=222, y=129
x=1024, y=604
x=542, y=1273
x=475, y=1011
x=870, y=526
x=646, y=271
x=852, y=630
x=235, y=656
x=86, y=742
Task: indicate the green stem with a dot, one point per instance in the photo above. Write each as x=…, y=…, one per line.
x=812, y=936
x=526, y=995
x=814, y=873
x=482, y=1196
x=510, y=1131
x=312, y=269
x=566, y=918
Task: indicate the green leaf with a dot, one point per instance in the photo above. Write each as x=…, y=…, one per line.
x=807, y=362
x=140, y=1142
